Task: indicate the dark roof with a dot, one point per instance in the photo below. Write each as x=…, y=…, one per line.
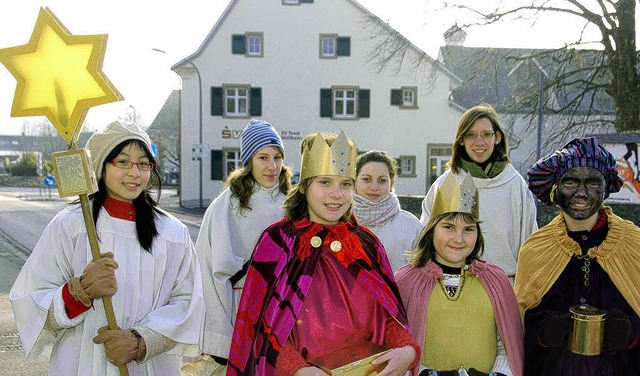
x=617, y=138
x=510, y=77
x=49, y=144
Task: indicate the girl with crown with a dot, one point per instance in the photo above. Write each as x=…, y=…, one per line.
x=319, y=281
x=251, y=201
x=463, y=311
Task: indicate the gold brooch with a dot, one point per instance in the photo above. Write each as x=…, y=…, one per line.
x=336, y=246
x=316, y=242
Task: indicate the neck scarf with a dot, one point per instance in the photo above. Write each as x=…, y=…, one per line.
x=489, y=172
x=371, y=213
x=120, y=209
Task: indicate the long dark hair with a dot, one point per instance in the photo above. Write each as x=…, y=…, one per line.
x=425, y=250
x=146, y=207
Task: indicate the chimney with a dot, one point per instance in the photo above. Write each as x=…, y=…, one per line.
x=454, y=36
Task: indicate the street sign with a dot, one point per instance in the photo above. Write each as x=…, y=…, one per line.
x=49, y=181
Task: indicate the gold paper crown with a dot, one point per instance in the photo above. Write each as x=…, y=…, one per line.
x=320, y=159
x=453, y=197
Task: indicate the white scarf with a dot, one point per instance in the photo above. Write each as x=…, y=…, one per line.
x=371, y=213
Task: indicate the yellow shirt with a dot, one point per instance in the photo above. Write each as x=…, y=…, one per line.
x=461, y=330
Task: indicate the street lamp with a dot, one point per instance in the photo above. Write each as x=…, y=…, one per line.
x=540, y=112
x=200, y=138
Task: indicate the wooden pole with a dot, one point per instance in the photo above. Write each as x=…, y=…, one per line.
x=95, y=253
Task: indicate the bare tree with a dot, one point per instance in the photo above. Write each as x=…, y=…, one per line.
x=585, y=80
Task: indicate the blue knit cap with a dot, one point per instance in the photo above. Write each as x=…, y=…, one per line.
x=581, y=152
x=256, y=135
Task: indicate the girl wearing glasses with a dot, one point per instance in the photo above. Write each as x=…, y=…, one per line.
x=230, y=228
x=507, y=207
x=148, y=267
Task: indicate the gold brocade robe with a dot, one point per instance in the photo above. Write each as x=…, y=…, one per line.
x=547, y=252
x=460, y=330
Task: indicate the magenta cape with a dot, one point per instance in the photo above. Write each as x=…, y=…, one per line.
x=279, y=278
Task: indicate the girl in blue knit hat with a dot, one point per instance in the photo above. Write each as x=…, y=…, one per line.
x=251, y=201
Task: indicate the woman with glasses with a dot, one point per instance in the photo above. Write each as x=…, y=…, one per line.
x=148, y=267
x=507, y=207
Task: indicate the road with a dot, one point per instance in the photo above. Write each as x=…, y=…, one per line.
x=24, y=213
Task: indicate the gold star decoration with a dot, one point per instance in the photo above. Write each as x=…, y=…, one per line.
x=59, y=75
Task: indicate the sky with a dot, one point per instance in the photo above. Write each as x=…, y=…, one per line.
x=138, y=28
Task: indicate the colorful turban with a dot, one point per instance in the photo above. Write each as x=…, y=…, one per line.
x=581, y=152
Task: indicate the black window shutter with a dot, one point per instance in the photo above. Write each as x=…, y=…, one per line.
x=255, y=106
x=325, y=103
x=363, y=103
x=216, y=165
x=344, y=46
x=238, y=44
x=396, y=97
x=216, y=101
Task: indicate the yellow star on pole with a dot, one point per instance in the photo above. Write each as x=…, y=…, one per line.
x=59, y=75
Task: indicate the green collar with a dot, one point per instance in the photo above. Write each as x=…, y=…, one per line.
x=490, y=171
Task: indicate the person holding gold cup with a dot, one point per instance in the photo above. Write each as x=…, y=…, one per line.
x=577, y=278
x=320, y=284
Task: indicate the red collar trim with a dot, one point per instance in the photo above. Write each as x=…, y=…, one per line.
x=120, y=209
x=602, y=220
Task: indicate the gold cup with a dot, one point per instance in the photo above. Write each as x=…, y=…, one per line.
x=587, y=337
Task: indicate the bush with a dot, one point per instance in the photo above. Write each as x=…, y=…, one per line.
x=27, y=166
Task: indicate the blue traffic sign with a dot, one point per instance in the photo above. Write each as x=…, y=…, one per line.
x=49, y=181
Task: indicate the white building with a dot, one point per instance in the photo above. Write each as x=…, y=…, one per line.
x=307, y=66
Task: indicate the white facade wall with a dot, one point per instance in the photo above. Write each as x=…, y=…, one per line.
x=291, y=75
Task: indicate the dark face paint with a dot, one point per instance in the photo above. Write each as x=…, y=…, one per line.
x=581, y=192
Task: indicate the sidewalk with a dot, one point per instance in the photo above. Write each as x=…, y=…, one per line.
x=170, y=202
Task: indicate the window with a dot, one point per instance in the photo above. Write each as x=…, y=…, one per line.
x=332, y=46
x=407, y=166
x=344, y=102
x=254, y=44
x=295, y=2
x=236, y=101
x=405, y=97
x=248, y=44
x=438, y=156
x=231, y=160
x=328, y=46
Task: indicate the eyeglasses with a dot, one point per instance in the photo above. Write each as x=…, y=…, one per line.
x=127, y=164
x=473, y=135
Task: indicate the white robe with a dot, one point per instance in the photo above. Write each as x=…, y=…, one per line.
x=159, y=290
x=398, y=236
x=226, y=241
x=507, y=211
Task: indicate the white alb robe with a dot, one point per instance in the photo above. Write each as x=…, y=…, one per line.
x=159, y=290
x=226, y=241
